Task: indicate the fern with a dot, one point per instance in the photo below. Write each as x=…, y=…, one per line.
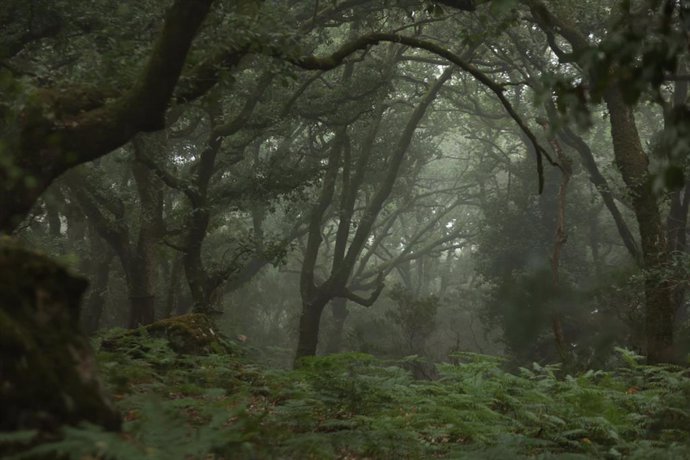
x=356, y=406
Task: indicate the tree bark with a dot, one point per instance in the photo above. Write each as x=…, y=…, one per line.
x=309, y=324
x=632, y=162
x=676, y=229
x=172, y=299
x=561, y=237
x=677, y=219
x=144, y=259
x=93, y=307
x=602, y=186
x=340, y=314
x=48, y=145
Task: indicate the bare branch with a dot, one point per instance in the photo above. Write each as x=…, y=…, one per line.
x=366, y=41
x=365, y=301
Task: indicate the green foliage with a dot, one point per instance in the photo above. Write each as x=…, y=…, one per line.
x=356, y=406
x=415, y=316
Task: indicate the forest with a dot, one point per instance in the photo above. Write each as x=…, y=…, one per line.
x=344, y=229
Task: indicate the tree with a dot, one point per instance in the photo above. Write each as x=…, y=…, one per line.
x=138, y=255
x=630, y=156
x=416, y=317
x=315, y=296
x=62, y=128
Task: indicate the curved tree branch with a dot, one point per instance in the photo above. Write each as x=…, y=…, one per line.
x=366, y=41
x=365, y=301
x=49, y=145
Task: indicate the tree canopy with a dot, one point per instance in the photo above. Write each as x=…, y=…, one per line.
x=394, y=177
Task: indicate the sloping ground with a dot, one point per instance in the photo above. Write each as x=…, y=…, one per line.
x=354, y=406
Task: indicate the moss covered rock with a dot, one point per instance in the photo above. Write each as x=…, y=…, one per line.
x=193, y=333
x=47, y=368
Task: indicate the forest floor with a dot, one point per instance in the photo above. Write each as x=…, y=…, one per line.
x=354, y=406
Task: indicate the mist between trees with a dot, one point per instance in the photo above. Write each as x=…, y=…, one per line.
x=398, y=178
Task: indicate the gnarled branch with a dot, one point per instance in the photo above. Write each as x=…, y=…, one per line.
x=366, y=41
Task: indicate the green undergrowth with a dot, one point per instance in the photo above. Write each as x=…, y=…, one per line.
x=354, y=406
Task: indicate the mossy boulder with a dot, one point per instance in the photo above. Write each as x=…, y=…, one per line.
x=47, y=369
x=193, y=333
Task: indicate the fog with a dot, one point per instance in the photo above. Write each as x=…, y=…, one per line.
x=416, y=182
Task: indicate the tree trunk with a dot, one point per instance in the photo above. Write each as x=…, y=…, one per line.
x=676, y=229
x=93, y=307
x=196, y=274
x=143, y=265
x=633, y=163
x=594, y=243
x=142, y=284
x=677, y=220
x=602, y=186
x=172, y=301
x=340, y=314
x=48, y=146
x=309, y=324
x=142, y=311
x=561, y=237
